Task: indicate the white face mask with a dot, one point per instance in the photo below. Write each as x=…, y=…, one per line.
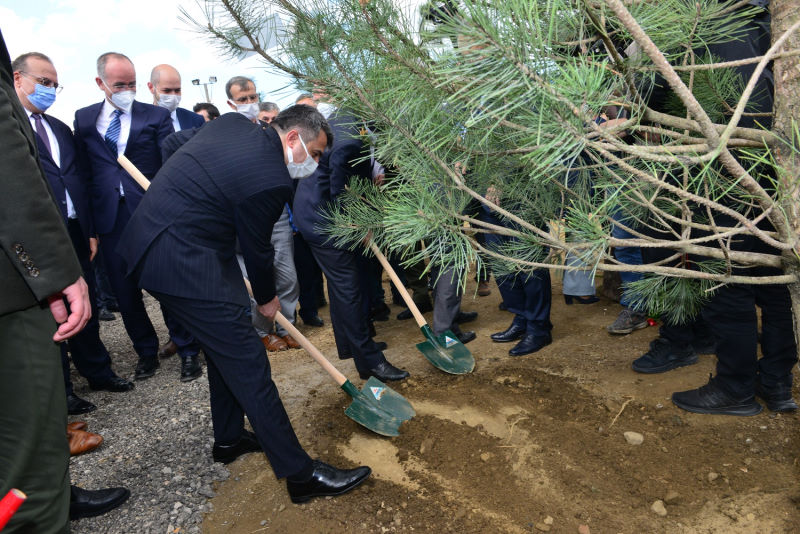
x=248, y=110
x=325, y=109
x=169, y=102
x=123, y=100
x=303, y=169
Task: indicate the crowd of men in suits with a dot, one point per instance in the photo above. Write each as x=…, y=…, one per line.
x=238, y=197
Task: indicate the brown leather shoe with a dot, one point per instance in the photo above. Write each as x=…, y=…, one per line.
x=290, y=342
x=483, y=289
x=81, y=442
x=168, y=349
x=77, y=425
x=274, y=343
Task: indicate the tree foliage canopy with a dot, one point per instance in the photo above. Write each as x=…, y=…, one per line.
x=498, y=103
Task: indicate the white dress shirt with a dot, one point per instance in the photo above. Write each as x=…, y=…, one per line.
x=104, y=121
x=175, y=122
x=55, y=153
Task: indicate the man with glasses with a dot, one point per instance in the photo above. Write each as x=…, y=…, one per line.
x=242, y=96
x=120, y=125
x=36, y=83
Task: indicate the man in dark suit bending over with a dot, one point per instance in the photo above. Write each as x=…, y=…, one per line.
x=232, y=180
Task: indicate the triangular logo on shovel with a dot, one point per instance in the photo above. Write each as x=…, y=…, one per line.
x=377, y=392
x=449, y=341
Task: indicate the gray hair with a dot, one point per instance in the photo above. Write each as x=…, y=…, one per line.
x=269, y=106
x=103, y=59
x=240, y=81
x=21, y=62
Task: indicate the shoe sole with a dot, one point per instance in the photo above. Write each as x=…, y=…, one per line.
x=664, y=368
x=741, y=410
x=622, y=332
x=306, y=498
x=505, y=340
x=144, y=376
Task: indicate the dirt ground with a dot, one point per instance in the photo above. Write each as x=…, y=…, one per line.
x=529, y=444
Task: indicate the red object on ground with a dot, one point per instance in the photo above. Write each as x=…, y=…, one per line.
x=651, y=321
x=9, y=505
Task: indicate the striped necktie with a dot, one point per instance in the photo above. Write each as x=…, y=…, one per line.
x=112, y=134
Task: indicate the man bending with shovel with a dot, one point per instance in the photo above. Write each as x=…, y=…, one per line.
x=231, y=180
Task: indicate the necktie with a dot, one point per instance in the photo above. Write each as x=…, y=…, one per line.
x=112, y=134
x=42, y=132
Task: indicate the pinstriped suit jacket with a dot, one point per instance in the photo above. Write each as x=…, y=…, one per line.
x=229, y=181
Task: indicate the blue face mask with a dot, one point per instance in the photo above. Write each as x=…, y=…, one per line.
x=42, y=97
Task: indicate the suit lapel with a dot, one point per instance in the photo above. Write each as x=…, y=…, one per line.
x=137, y=123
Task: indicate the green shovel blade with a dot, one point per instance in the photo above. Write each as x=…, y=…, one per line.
x=378, y=407
x=446, y=352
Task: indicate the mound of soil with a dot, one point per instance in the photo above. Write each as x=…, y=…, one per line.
x=530, y=444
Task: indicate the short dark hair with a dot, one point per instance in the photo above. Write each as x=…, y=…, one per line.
x=303, y=96
x=210, y=108
x=240, y=81
x=103, y=59
x=306, y=120
x=268, y=106
x=21, y=62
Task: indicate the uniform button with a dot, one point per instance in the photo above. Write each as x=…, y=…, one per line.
x=24, y=257
x=18, y=248
x=34, y=272
x=29, y=264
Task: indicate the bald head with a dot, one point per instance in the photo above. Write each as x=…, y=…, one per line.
x=164, y=80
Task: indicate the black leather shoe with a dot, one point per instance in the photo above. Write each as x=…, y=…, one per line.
x=513, y=333
x=116, y=384
x=712, y=399
x=146, y=368
x=104, y=314
x=325, y=481
x=380, y=313
x=466, y=317
x=314, y=321
x=77, y=406
x=778, y=398
x=405, y=315
x=191, y=368
x=385, y=372
x=228, y=453
x=530, y=344
x=88, y=503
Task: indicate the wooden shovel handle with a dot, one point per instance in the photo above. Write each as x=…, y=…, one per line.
x=135, y=173
x=304, y=342
x=311, y=349
x=399, y=285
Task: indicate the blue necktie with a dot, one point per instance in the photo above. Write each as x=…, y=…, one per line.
x=112, y=134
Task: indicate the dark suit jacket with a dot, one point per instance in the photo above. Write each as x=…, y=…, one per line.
x=149, y=126
x=37, y=259
x=337, y=167
x=188, y=119
x=69, y=175
x=229, y=181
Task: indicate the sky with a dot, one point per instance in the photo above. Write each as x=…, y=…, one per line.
x=73, y=33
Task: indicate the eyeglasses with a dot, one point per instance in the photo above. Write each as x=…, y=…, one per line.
x=246, y=99
x=47, y=82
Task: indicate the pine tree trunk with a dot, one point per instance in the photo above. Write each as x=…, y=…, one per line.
x=787, y=111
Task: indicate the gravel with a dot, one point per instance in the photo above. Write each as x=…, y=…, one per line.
x=158, y=441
